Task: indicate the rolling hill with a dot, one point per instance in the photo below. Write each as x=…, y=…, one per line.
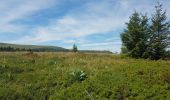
x=42, y=48
x=33, y=47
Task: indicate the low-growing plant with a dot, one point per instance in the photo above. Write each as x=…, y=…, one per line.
x=78, y=75
x=81, y=76
x=9, y=76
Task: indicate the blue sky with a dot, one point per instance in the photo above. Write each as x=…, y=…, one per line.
x=91, y=24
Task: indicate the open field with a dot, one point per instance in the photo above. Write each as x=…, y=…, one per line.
x=42, y=76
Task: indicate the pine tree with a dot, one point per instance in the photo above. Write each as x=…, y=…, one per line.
x=75, y=49
x=159, y=31
x=134, y=38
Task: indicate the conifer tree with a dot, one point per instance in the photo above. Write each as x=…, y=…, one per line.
x=134, y=38
x=159, y=31
x=75, y=49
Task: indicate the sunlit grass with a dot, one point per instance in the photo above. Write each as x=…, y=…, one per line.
x=41, y=76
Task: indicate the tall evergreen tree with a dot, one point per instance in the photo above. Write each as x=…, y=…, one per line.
x=134, y=38
x=159, y=31
x=75, y=49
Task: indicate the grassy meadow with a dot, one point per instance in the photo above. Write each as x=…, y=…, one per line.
x=82, y=76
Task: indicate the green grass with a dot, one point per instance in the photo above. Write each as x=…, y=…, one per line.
x=42, y=76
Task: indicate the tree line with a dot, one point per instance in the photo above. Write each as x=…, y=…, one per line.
x=14, y=49
x=147, y=38
x=8, y=48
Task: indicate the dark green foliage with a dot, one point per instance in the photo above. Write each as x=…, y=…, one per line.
x=168, y=54
x=159, y=31
x=147, y=41
x=168, y=42
x=7, y=49
x=135, y=36
x=75, y=49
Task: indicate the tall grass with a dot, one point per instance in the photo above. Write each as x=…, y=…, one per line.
x=42, y=76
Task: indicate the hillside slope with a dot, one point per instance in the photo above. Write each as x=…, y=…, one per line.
x=43, y=48
x=34, y=47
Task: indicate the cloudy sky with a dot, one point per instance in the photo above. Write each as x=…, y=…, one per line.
x=91, y=24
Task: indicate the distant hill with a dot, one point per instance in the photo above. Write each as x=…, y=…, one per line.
x=41, y=48
x=32, y=47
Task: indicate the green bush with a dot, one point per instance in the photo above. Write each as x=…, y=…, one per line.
x=78, y=75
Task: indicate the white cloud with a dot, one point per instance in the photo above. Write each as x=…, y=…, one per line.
x=111, y=46
x=100, y=44
x=13, y=10
x=94, y=17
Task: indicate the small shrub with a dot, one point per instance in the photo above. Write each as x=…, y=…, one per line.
x=78, y=75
